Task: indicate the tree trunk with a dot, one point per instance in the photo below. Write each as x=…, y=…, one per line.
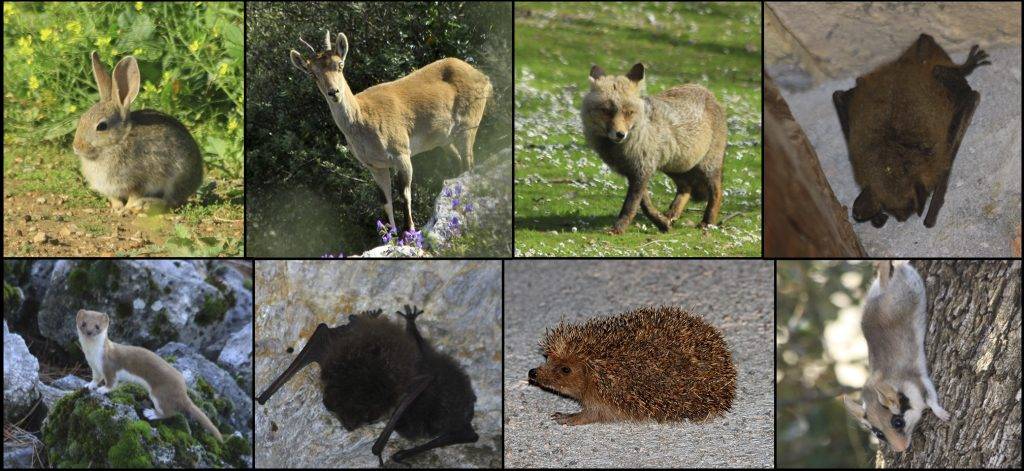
x=802, y=216
x=973, y=349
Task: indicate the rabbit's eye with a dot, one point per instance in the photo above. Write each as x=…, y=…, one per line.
x=102, y=126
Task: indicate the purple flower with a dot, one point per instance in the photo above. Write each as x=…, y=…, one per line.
x=455, y=203
x=458, y=189
x=412, y=238
x=447, y=192
x=468, y=208
x=454, y=223
x=380, y=226
x=386, y=237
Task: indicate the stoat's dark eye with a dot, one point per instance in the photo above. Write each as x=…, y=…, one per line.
x=897, y=421
x=102, y=126
x=566, y=370
x=96, y=326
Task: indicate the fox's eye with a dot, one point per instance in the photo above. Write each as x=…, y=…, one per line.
x=897, y=421
x=627, y=113
x=102, y=126
x=566, y=370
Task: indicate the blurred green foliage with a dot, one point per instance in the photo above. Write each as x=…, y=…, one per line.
x=812, y=429
x=306, y=195
x=190, y=56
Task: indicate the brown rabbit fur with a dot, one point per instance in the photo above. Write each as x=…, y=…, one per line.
x=134, y=158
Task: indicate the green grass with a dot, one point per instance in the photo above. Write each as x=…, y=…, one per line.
x=190, y=57
x=566, y=198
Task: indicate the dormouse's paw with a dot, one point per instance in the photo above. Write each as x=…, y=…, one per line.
x=103, y=390
x=150, y=414
x=941, y=413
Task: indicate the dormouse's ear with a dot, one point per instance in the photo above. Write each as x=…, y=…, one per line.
x=298, y=61
x=126, y=84
x=341, y=46
x=101, y=75
x=853, y=407
x=888, y=396
x=865, y=207
x=596, y=72
x=636, y=74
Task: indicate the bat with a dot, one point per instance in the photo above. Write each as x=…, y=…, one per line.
x=903, y=124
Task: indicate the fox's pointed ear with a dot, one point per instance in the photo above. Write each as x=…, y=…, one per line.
x=636, y=74
x=853, y=407
x=596, y=72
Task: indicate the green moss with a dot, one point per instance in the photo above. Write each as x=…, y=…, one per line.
x=128, y=394
x=170, y=359
x=214, y=308
x=162, y=328
x=90, y=435
x=91, y=276
x=123, y=310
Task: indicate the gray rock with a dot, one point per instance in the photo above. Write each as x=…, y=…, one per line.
x=150, y=303
x=21, y=378
x=236, y=357
x=462, y=305
x=19, y=456
x=70, y=383
x=51, y=395
x=393, y=251
x=485, y=187
x=193, y=366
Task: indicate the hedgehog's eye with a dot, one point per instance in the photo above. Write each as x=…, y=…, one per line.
x=566, y=370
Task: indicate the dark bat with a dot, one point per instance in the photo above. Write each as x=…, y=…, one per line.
x=903, y=124
x=371, y=366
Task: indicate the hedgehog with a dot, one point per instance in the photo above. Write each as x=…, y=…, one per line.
x=652, y=363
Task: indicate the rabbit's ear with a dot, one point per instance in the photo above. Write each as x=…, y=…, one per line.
x=126, y=84
x=102, y=76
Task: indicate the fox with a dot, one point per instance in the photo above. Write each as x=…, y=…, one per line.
x=898, y=388
x=680, y=132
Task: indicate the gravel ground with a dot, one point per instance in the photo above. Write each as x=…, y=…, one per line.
x=735, y=296
x=982, y=209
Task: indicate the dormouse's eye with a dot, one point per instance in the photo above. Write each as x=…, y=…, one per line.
x=566, y=370
x=897, y=421
x=102, y=126
x=880, y=435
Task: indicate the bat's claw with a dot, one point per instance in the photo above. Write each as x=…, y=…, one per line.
x=411, y=313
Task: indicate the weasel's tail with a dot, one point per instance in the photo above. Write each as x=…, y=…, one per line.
x=203, y=420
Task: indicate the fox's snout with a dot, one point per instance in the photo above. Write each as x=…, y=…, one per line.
x=617, y=136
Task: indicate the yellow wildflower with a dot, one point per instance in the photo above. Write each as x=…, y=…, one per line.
x=138, y=6
x=8, y=10
x=232, y=124
x=222, y=70
x=103, y=41
x=74, y=27
x=193, y=47
x=166, y=77
x=45, y=34
x=149, y=87
x=71, y=108
x=25, y=45
x=137, y=51
x=33, y=83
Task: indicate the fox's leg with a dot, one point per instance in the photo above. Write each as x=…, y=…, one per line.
x=637, y=187
x=652, y=212
x=714, y=200
x=682, y=197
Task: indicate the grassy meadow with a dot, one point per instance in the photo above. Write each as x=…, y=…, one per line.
x=565, y=197
x=190, y=57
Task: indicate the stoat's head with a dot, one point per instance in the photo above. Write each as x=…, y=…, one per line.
x=91, y=324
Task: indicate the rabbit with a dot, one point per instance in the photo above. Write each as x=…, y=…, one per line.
x=136, y=159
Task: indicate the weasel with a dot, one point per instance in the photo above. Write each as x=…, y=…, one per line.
x=112, y=363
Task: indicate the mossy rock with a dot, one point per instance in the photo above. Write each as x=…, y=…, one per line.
x=88, y=277
x=214, y=308
x=93, y=430
x=13, y=298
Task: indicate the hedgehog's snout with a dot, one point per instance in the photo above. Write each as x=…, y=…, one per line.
x=533, y=373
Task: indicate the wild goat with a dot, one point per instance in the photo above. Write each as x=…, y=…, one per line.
x=439, y=105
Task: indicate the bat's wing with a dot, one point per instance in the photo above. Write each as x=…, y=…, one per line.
x=414, y=390
x=965, y=101
x=841, y=99
x=314, y=351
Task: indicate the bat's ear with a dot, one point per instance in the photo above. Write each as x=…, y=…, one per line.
x=865, y=207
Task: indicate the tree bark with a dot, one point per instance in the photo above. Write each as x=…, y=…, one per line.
x=973, y=349
x=802, y=216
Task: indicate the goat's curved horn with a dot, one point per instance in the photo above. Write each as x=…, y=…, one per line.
x=327, y=40
x=307, y=45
